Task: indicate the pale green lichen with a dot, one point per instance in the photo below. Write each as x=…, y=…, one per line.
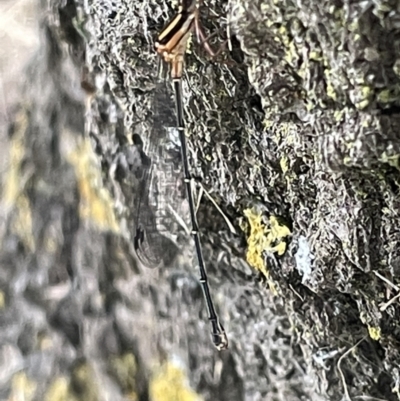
x=262, y=238
x=374, y=333
x=124, y=369
x=170, y=383
x=388, y=95
x=364, y=97
x=22, y=388
x=59, y=390
x=96, y=205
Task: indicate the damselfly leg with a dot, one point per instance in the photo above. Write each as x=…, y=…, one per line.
x=204, y=40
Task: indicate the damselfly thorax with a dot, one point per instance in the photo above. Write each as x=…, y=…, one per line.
x=171, y=43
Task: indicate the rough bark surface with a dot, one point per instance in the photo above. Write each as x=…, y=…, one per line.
x=294, y=133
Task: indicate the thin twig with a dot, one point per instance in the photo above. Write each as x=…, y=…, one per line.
x=179, y=219
x=384, y=306
x=346, y=391
x=228, y=222
x=388, y=282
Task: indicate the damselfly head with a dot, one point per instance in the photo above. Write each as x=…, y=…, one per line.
x=173, y=38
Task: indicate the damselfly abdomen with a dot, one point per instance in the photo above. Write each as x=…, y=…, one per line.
x=156, y=195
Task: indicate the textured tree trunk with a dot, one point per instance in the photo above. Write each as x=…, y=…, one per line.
x=294, y=132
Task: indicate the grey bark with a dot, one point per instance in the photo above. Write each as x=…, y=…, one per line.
x=299, y=121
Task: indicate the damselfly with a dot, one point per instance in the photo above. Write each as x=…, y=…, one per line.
x=171, y=46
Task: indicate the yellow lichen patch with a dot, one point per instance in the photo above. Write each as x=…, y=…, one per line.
x=256, y=241
x=81, y=386
x=22, y=224
x=277, y=234
x=171, y=384
x=291, y=52
x=11, y=183
x=58, y=390
x=264, y=239
x=392, y=160
x=364, y=97
x=330, y=89
x=338, y=115
x=388, y=95
x=2, y=300
x=12, y=194
x=374, y=332
x=44, y=342
x=22, y=388
x=83, y=383
x=124, y=369
x=96, y=204
x=284, y=162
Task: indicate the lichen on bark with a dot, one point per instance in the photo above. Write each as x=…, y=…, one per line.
x=298, y=123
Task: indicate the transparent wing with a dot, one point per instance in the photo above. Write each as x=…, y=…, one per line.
x=161, y=191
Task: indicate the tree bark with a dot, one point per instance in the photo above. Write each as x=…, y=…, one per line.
x=294, y=132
